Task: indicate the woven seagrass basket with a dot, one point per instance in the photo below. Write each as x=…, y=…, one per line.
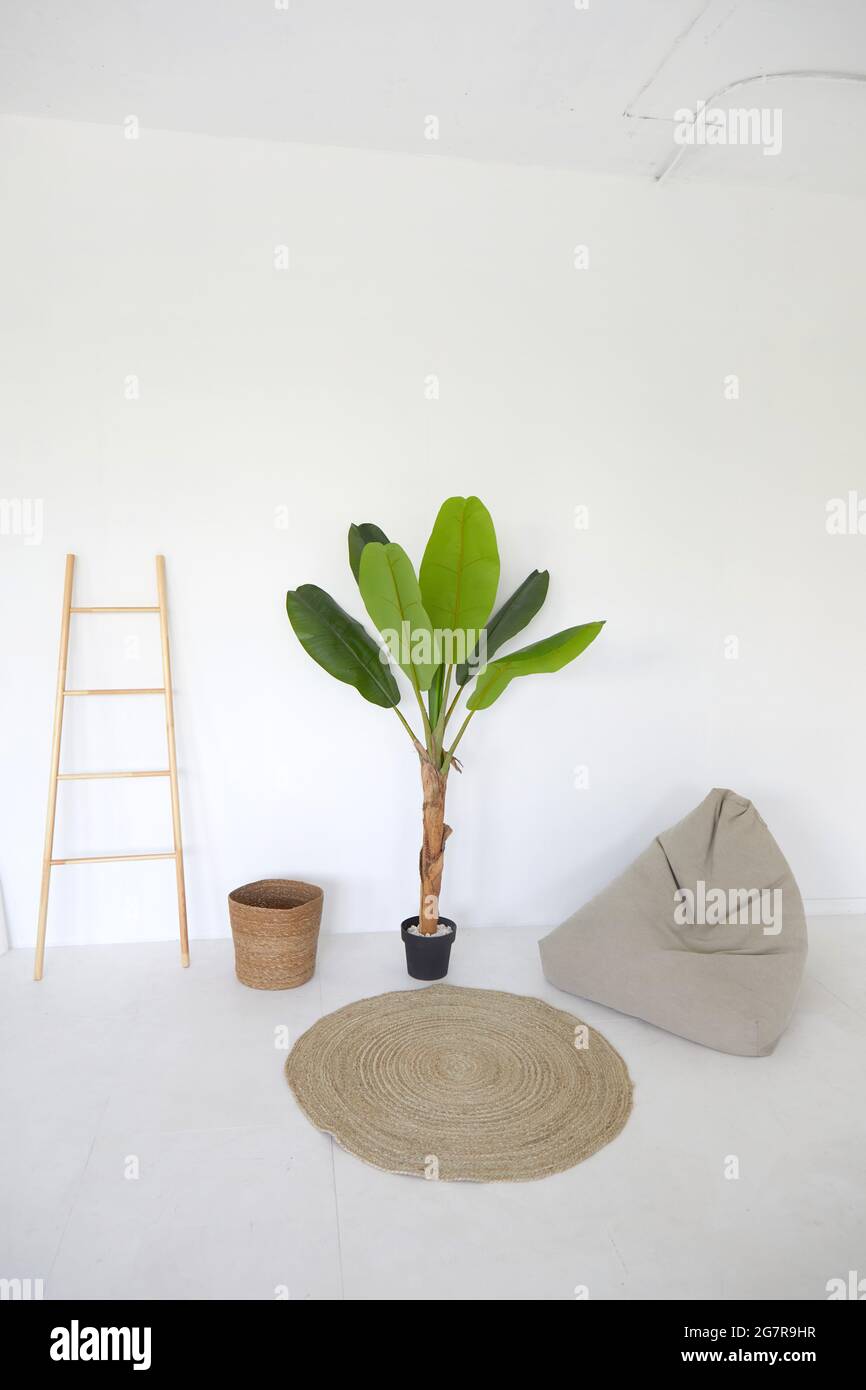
x=275, y=926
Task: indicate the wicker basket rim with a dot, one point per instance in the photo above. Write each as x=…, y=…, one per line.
x=303, y=894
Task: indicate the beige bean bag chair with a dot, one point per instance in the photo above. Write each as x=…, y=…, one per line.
x=704, y=934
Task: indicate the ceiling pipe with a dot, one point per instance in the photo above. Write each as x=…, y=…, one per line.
x=813, y=75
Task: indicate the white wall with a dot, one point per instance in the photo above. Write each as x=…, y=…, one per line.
x=305, y=390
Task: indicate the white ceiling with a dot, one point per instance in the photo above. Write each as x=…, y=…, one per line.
x=539, y=82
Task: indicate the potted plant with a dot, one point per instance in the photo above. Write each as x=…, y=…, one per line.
x=436, y=627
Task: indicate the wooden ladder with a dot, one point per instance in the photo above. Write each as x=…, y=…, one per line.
x=57, y=776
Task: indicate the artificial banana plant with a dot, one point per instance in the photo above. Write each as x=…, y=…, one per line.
x=436, y=627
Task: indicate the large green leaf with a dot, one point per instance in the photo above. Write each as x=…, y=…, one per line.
x=359, y=536
x=550, y=654
x=392, y=597
x=460, y=569
x=511, y=618
x=341, y=644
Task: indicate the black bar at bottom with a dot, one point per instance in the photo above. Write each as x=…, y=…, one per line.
x=68, y=1337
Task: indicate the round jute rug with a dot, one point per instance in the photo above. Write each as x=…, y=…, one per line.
x=461, y=1084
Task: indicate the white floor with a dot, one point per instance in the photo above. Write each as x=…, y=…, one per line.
x=120, y=1056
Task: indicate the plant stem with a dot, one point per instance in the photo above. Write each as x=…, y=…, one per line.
x=439, y=730
x=406, y=725
x=450, y=709
x=461, y=731
x=436, y=832
x=428, y=733
x=446, y=686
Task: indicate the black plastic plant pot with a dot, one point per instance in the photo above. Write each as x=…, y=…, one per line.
x=427, y=956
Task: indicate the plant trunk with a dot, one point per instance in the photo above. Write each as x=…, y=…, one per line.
x=436, y=832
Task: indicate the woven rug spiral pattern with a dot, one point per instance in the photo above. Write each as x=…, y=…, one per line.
x=461, y=1084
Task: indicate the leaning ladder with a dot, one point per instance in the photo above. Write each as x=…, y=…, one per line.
x=48, y=861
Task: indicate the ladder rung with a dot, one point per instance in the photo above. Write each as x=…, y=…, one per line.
x=92, y=776
x=150, y=690
x=150, y=608
x=113, y=858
